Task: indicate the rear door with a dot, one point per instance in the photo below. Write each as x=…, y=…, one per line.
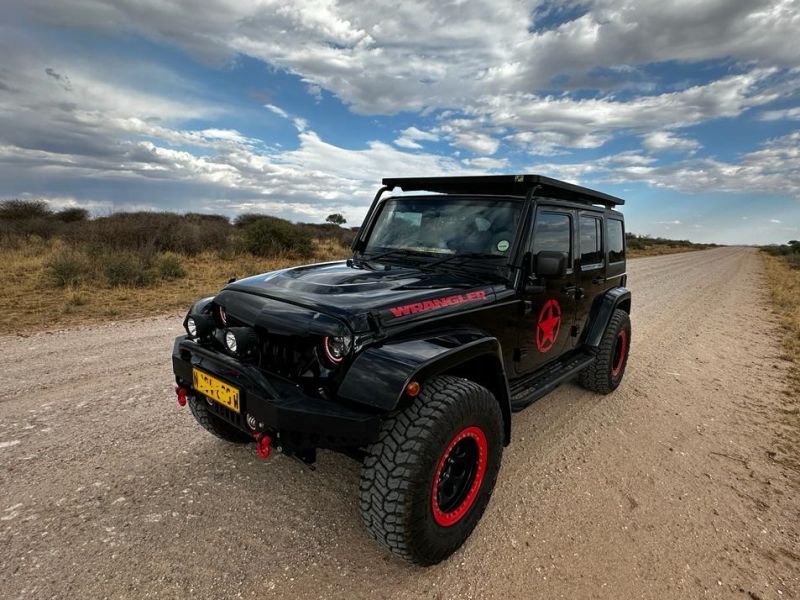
x=590, y=264
x=544, y=328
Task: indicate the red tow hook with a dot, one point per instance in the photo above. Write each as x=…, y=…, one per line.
x=182, y=393
x=263, y=442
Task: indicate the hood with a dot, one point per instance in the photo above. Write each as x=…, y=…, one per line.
x=355, y=294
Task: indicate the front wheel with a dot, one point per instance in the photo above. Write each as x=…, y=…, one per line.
x=427, y=480
x=605, y=374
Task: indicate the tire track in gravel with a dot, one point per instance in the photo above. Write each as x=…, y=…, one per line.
x=671, y=487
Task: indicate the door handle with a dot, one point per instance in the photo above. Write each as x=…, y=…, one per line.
x=573, y=290
x=598, y=280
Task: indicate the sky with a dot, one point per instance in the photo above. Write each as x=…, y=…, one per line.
x=688, y=110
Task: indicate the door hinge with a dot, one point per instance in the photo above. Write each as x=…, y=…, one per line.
x=574, y=331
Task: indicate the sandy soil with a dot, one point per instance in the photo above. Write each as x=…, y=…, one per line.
x=672, y=487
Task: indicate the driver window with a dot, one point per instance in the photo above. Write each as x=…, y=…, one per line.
x=553, y=232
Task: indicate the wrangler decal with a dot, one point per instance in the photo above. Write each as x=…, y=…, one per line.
x=436, y=303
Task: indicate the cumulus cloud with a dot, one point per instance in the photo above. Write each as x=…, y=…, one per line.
x=778, y=115
x=445, y=54
x=667, y=141
x=141, y=146
x=411, y=136
x=483, y=73
x=584, y=122
x=772, y=169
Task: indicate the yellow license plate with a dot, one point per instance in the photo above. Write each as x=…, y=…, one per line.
x=217, y=390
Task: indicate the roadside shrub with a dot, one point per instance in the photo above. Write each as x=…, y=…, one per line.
x=21, y=210
x=327, y=231
x=68, y=267
x=245, y=219
x=170, y=268
x=126, y=268
x=72, y=215
x=158, y=232
x=76, y=298
x=271, y=236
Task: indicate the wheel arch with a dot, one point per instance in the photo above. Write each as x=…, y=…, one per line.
x=603, y=308
x=379, y=375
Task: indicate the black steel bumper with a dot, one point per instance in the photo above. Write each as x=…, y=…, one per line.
x=282, y=406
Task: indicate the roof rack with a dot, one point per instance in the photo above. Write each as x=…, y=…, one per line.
x=503, y=185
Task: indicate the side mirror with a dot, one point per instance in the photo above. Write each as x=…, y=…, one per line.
x=549, y=263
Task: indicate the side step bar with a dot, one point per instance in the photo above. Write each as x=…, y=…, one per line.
x=526, y=392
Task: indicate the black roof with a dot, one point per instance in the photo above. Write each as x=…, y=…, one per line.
x=503, y=185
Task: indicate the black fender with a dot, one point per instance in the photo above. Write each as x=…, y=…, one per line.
x=602, y=309
x=379, y=375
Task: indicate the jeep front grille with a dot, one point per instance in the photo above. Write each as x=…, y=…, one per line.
x=284, y=355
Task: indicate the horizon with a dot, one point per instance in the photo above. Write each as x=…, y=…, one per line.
x=299, y=111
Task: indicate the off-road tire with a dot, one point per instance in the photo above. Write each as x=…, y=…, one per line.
x=605, y=374
x=214, y=424
x=397, y=488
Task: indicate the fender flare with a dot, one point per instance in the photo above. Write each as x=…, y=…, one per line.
x=603, y=308
x=379, y=375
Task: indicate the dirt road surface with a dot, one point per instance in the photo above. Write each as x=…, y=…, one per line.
x=675, y=486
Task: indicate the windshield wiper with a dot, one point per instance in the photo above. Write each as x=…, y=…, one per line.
x=464, y=256
x=394, y=251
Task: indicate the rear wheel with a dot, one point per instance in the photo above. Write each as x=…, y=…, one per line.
x=212, y=423
x=605, y=374
x=427, y=480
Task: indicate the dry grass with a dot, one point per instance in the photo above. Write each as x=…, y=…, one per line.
x=31, y=302
x=784, y=284
x=659, y=250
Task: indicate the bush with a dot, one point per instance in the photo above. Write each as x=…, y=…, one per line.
x=126, y=268
x=67, y=268
x=170, y=267
x=793, y=260
x=269, y=236
x=246, y=219
x=157, y=232
x=21, y=210
x=72, y=215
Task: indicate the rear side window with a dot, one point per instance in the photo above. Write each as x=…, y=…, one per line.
x=616, y=241
x=591, y=241
x=553, y=232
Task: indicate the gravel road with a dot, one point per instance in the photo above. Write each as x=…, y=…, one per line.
x=675, y=486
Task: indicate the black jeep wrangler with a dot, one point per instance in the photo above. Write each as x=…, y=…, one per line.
x=456, y=309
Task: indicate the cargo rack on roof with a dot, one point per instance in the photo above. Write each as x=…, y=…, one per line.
x=504, y=185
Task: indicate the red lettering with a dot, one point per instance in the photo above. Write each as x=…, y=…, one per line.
x=435, y=303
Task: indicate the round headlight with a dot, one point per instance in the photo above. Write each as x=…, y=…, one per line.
x=230, y=341
x=191, y=327
x=336, y=348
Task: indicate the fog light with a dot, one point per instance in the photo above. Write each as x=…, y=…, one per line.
x=199, y=326
x=230, y=341
x=241, y=340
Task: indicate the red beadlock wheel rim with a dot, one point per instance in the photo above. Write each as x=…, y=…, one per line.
x=459, y=476
x=620, y=350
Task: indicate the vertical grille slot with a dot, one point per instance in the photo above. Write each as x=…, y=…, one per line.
x=281, y=354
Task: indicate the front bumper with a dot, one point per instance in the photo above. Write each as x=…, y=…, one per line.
x=283, y=407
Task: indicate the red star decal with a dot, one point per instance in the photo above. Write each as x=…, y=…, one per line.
x=549, y=325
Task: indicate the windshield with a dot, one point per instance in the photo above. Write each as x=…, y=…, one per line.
x=444, y=225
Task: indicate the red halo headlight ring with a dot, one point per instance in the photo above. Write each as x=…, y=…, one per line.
x=335, y=355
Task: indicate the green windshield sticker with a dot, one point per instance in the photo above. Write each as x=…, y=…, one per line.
x=502, y=245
